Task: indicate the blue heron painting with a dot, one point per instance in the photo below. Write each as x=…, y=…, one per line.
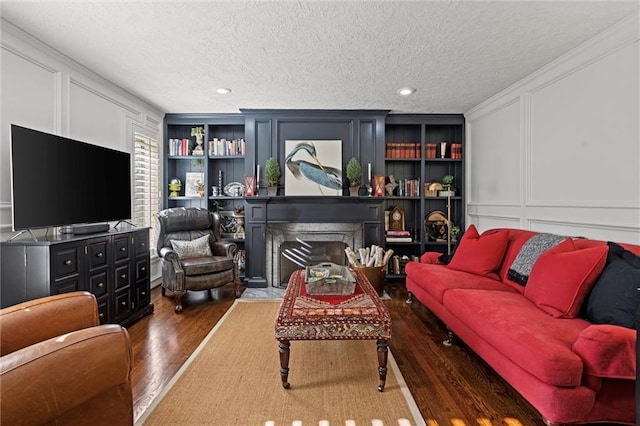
x=309, y=175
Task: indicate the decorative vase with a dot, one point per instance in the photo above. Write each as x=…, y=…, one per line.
x=354, y=191
x=272, y=191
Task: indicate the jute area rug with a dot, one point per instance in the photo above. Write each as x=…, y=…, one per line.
x=233, y=378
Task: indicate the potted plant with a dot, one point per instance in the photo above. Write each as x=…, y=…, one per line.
x=455, y=232
x=449, y=190
x=272, y=173
x=354, y=173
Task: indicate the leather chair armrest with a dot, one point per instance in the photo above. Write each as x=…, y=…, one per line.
x=36, y=320
x=224, y=248
x=172, y=271
x=90, y=384
x=170, y=255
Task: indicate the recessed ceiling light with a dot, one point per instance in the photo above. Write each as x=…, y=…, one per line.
x=405, y=91
x=223, y=91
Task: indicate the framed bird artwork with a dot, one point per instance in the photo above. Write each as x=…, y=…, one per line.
x=313, y=167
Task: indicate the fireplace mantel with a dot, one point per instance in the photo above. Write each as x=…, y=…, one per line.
x=260, y=211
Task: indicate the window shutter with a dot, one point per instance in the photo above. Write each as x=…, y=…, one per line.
x=146, y=187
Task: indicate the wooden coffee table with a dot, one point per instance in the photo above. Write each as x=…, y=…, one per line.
x=360, y=316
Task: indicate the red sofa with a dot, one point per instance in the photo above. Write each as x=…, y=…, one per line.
x=537, y=336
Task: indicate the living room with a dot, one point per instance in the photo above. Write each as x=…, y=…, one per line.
x=551, y=140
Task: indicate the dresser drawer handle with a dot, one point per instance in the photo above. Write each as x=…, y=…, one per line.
x=100, y=285
x=123, y=276
x=142, y=244
x=143, y=268
x=144, y=293
x=99, y=254
x=67, y=262
x=122, y=249
x=101, y=315
x=124, y=303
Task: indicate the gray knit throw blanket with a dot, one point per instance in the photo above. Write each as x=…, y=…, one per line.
x=529, y=253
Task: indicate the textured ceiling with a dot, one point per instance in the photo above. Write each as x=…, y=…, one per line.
x=315, y=54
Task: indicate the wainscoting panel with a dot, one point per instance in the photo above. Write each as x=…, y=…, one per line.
x=559, y=150
x=92, y=118
x=585, y=118
x=496, y=167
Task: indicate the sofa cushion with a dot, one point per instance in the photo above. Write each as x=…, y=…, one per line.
x=563, y=276
x=614, y=297
x=515, y=327
x=206, y=265
x=194, y=248
x=437, y=279
x=480, y=255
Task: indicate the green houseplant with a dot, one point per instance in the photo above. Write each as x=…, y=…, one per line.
x=272, y=174
x=354, y=173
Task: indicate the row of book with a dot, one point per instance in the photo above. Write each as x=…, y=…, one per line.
x=432, y=150
x=408, y=187
x=223, y=147
x=180, y=147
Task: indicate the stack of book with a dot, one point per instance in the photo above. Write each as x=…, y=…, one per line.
x=399, y=237
x=456, y=151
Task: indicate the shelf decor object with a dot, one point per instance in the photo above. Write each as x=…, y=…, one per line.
x=272, y=175
x=194, y=181
x=378, y=185
x=396, y=219
x=354, y=173
x=249, y=185
x=198, y=132
x=175, y=185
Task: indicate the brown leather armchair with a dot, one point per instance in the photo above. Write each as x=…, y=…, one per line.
x=195, y=270
x=59, y=366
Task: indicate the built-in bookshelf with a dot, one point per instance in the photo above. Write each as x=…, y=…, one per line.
x=420, y=150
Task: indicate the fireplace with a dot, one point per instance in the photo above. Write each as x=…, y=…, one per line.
x=291, y=246
x=272, y=221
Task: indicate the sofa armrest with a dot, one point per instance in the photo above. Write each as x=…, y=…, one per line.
x=608, y=351
x=36, y=320
x=224, y=248
x=83, y=377
x=431, y=257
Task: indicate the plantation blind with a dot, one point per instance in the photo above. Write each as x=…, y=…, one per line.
x=146, y=186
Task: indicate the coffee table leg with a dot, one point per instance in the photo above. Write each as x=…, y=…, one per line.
x=284, y=346
x=383, y=351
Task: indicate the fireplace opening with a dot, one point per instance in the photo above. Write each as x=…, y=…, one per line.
x=298, y=254
x=327, y=241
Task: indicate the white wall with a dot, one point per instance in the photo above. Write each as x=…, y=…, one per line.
x=44, y=90
x=559, y=151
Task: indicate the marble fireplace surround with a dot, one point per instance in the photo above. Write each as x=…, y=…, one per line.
x=269, y=221
x=278, y=233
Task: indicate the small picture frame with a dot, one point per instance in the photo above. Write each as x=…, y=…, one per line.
x=194, y=181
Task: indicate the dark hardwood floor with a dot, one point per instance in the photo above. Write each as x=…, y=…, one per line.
x=451, y=385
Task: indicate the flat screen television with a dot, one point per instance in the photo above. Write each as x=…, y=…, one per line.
x=57, y=181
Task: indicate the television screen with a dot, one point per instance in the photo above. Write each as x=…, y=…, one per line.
x=56, y=181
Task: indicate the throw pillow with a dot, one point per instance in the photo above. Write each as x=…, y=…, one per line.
x=614, y=297
x=480, y=255
x=562, y=277
x=194, y=248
